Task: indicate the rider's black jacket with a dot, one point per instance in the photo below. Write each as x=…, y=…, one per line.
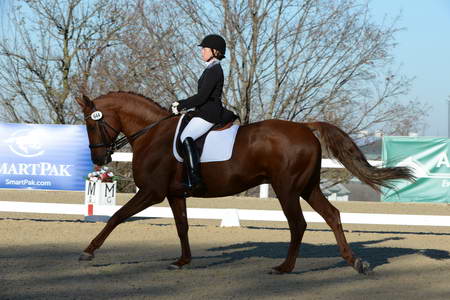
x=208, y=100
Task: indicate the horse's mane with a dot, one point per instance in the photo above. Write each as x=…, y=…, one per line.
x=134, y=94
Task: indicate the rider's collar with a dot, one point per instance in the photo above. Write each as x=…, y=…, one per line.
x=212, y=62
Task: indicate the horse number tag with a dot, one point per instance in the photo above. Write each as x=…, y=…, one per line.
x=96, y=115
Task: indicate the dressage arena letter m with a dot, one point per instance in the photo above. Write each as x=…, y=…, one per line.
x=91, y=188
x=110, y=192
x=91, y=192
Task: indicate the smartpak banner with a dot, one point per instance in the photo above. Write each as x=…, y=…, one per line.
x=428, y=157
x=48, y=157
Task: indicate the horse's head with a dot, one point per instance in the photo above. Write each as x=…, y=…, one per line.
x=103, y=127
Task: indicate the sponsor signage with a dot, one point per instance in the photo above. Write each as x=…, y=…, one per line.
x=48, y=157
x=428, y=157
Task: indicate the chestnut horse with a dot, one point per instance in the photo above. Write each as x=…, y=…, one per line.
x=285, y=154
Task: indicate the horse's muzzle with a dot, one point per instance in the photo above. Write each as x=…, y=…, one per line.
x=102, y=160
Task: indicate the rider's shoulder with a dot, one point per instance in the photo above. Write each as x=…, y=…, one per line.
x=216, y=68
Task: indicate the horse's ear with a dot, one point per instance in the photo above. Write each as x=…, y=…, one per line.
x=84, y=101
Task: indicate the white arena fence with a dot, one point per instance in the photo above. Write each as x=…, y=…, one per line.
x=228, y=217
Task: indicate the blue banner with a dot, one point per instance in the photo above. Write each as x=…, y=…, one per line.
x=47, y=157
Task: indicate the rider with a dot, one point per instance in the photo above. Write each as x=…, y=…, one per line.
x=207, y=103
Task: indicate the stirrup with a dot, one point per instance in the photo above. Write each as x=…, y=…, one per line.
x=193, y=185
x=192, y=179
x=196, y=190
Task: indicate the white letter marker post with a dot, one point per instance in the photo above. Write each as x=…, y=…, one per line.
x=98, y=194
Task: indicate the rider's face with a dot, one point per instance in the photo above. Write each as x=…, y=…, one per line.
x=206, y=54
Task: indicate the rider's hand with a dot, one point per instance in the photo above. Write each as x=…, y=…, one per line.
x=174, y=108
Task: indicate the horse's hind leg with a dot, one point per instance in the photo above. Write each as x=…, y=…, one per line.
x=332, y=216
x=139, y=202
x=290, y=203
x=178, y=206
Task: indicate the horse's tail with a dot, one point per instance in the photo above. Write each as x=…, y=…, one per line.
x=344, y=149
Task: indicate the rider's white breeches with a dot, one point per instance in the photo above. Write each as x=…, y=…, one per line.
x=196, y=128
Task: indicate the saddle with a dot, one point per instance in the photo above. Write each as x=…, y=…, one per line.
x=228, y=117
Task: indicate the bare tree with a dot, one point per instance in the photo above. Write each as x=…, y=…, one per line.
x=47, y=54
x=288, y=59
x=151, y=59
x=298, y=60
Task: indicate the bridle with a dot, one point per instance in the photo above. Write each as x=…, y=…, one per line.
x=108, y=142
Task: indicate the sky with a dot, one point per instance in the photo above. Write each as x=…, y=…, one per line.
x=423, y=51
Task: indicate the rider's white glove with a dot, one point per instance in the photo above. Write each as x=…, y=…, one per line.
x=174, y=108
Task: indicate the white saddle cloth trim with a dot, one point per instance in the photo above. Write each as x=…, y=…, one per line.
x=218, y=144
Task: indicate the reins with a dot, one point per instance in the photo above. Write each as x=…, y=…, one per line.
x=120, y=143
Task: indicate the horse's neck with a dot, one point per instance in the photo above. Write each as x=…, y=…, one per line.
x=134, y=120
x=157, y=141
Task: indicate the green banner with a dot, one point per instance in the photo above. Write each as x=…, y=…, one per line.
x=428, y=157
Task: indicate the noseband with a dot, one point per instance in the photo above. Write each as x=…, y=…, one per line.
x=108, y=142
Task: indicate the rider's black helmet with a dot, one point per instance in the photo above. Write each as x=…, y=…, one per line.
x=215, y=41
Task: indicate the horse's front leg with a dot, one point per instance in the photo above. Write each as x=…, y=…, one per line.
x=178, y=205
x=139, y=202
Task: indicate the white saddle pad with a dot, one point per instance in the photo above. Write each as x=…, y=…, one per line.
x=218, y=144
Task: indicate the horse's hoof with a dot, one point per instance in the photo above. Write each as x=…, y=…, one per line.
x=277, y=271
x=86, y=257
x=363, y=267
x=173, y=267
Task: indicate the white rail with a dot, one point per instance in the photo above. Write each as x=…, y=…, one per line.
x=228, y=217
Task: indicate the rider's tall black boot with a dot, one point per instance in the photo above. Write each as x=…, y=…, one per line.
x=192, y=163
